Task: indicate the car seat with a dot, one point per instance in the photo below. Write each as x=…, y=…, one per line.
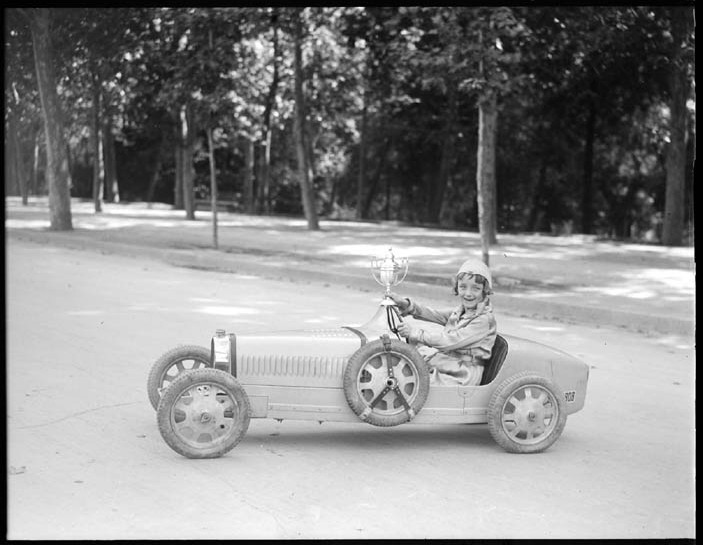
x=494, y=363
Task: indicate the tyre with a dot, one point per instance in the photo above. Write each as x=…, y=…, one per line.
x=171, y=364
x=526, y=414
x=203, y=414
x=386, y=382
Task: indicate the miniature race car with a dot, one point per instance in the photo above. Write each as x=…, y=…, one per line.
x=205, y=397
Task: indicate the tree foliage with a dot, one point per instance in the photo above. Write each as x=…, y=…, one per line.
x=595, y=111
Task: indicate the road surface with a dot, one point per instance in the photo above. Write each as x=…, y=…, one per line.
x=86, y=461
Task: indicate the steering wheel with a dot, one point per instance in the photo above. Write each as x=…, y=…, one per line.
x=393, y=317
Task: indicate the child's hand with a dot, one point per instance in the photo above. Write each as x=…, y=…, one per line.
x=402, y=302
x=405, y=329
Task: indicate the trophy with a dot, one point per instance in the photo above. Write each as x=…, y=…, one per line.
x=389, y=271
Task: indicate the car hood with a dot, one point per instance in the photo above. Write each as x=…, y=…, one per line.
x=337, y=342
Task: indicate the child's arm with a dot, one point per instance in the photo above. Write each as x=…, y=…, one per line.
x=473, y=333
x=429, y=314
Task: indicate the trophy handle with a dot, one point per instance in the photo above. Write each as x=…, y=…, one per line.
x=404, y=262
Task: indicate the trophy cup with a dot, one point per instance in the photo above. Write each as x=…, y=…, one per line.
x=388, y=271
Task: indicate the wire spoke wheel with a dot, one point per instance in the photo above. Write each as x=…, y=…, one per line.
x=526, y=414
x=204, y=414
x=386, y=384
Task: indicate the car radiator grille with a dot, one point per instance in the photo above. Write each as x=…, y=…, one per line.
x=291, y=366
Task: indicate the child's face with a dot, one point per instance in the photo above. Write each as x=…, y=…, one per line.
x=470, y=292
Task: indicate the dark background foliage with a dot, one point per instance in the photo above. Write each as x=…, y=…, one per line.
x=584, y=110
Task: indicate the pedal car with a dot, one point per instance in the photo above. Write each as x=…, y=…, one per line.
x=205, y=397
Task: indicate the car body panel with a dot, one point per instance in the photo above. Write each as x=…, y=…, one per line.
x=357, y=374
x=299, y=375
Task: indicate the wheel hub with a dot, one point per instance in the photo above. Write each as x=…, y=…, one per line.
x=202, y=416
x=528, y=414
x=383, y=379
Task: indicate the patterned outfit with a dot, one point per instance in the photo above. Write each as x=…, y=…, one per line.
x=456, y=354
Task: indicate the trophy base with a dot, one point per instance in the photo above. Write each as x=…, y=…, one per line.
x=383, y=322
x=388, y=302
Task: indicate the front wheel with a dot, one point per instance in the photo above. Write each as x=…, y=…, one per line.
x=171, y=364
x=386, y=382
x=203, y=414
x=526, y=414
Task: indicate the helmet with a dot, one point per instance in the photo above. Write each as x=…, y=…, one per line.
x=474, y=266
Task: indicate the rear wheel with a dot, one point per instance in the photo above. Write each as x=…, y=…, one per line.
x=386, y=382
x=171, y=364
x=526, y=414
x=203, y=414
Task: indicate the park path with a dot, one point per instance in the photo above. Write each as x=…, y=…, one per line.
x=578, y=278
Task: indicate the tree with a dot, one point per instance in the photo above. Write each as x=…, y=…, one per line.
x=362, y=143
x=23, y=115
x=485, y=172
x=96, y=140
x=14, y=162
x=676, y=152
x=101, y=37
x=595, y=72
x=468, y=55
x=213, y=185
x=186, y=144
x=300, y=131
x=90, y=43
x=57, y=160
x=264, y=187
x=383, y=111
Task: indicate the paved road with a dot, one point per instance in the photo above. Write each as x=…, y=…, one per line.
x=86, y=460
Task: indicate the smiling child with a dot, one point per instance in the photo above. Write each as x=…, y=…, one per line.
x=456, y=354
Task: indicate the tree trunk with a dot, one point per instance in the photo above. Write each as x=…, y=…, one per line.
x=376, y=177
x=21, y=173
x=213, y=185
x=35, y=162
x=587, y=186
x=110, y=186
x=447, y=158
x=248, y=175
x=387, y=207
x=672, y=234
x=264, y=167
x=360, y=209
x=300, y=134
x=58, y=175
x=178, y=175
x=309, y=158
x=188, y=181
x=11, y=185
x=156, y=174
x=264, y=200
x=16, y=161
x=538, y=196
x=69, y=165
x=96, y=143
x=188, y=138
x=486, y=182
x=690, y=165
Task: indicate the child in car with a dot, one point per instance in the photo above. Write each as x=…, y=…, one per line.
x=456, y=354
